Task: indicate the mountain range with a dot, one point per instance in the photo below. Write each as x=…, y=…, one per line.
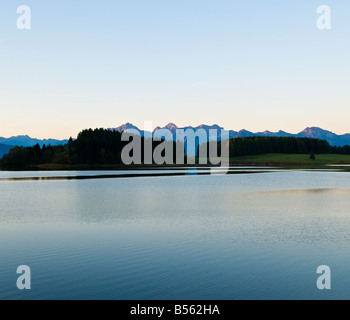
x=25, y=141
x=313, y=132
x=335, y=140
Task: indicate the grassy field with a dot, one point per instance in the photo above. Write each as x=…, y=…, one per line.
x=294, y=159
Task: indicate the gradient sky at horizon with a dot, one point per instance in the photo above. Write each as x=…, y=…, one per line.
x=257, y=65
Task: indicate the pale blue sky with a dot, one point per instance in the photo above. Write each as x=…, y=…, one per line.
x=241, y=64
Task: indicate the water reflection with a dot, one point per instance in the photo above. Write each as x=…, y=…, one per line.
x=124, y=174
x=247, y=236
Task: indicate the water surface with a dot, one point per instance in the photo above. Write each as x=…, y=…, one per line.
x=246, y=236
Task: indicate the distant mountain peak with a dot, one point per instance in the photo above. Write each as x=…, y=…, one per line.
x=27, y=141
x=315, y=132
x=213, y=127
x=317, y=129
x=308, y=130
x=123, y=127
x=171, y=126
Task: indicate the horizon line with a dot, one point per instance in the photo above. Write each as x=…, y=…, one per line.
x=254, y=132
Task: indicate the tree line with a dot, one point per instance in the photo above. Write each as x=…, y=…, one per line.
x=101, y=146
x=261, y=145
x=290, y=145
x=92, y=147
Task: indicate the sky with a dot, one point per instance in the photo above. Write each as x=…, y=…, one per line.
x=252, y=64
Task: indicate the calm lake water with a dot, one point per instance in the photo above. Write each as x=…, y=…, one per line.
x=237, y=236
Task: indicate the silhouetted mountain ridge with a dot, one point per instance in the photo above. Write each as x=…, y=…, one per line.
x=26, y=141
x=310, y=132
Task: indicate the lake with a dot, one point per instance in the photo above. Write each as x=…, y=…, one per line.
x=260, y=234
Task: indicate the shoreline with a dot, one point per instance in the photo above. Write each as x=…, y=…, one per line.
x=232, y=164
